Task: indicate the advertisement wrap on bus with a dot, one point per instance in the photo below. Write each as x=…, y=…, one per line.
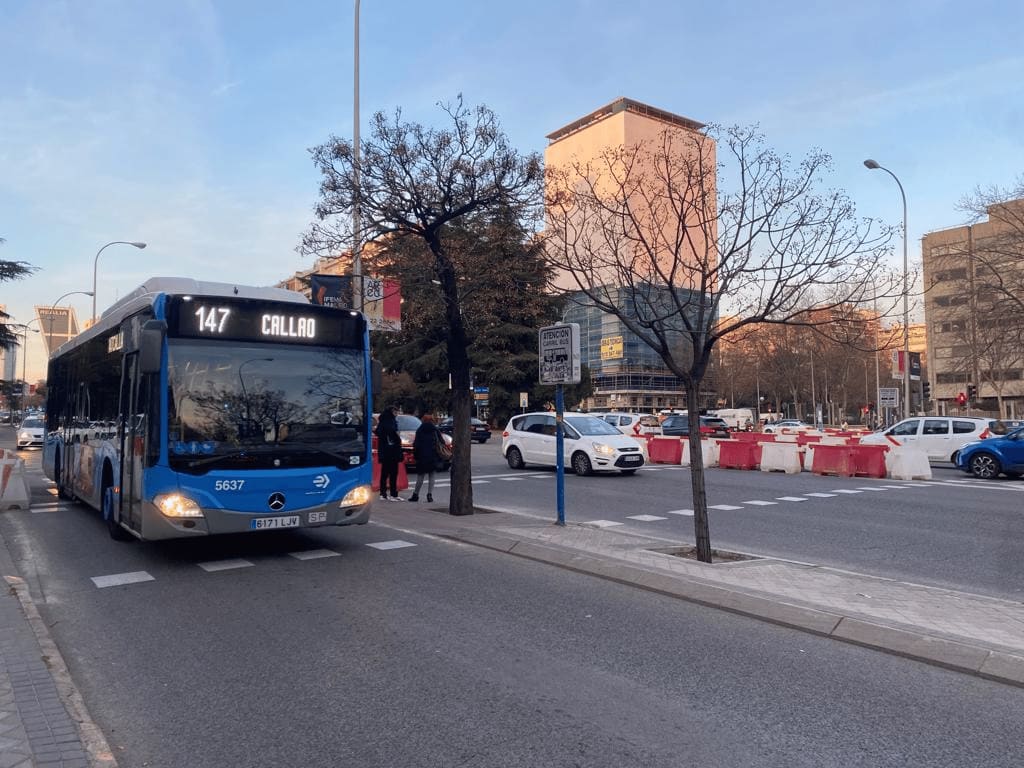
x=195, y=408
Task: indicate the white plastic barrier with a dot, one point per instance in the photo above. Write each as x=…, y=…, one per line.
x=785, y=437
x=832, y=440
x=708, y=450
x=685, y=460
x=907, y=464
x=14, y=490
x=780, y=457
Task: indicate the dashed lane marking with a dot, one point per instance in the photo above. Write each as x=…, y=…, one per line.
x=224, y=565
x=120, y=579
x=790, y=498
x=314, y=554
x=845, y=490
x=871, y=488
x=723, y=507
x=821, y=495
x=758, y=503
x=645, y=518
x=602, y=523
x=394, y=544
x=685, y=512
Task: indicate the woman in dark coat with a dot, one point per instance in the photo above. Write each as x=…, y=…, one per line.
x=424, y=449
x=389, y=453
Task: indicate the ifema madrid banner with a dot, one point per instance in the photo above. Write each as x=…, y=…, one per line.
x=382, y=299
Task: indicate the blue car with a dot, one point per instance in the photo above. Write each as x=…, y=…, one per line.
x=988, y=458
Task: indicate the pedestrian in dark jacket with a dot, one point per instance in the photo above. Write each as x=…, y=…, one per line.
x=389, y=453
x=424, y=450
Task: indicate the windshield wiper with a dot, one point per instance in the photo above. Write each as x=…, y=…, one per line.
x=340, y=457
x=243, y=452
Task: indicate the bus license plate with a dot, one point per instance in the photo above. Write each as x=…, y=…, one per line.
x=269, y=523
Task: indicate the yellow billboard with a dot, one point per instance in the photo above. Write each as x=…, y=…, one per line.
x=611, y=348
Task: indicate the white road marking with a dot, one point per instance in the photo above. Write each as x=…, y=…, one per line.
x=871, y=488
x=686, y=512
x=396, y=544
x=602, y=523
x=894, y=487
x=513, y=479
x=118, y=579
x=723, y=507
x=821, y=495
x=757, y=503
x=646, y=518
x=314, y=554
x=224, y=565
x=845, y=490
x=790, y=498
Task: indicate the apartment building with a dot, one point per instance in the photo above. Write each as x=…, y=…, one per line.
x=975, y=327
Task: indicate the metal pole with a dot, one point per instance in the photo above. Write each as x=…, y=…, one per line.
x=95, y=263
x=357, y=259
x=559, y=458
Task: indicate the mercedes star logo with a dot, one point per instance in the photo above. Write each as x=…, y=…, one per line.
x=276, y=501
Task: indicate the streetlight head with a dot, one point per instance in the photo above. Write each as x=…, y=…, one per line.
x=871, y=164
x=138, y=244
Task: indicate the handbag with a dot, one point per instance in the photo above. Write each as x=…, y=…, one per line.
x=444, y=451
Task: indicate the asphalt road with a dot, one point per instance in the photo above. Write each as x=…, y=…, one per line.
x=394, y=648
x=952, y=531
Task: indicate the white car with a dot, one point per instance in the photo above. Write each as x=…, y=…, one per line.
x=941, y=437
x=632, y=424
x=31, y=433
x=786, y=427
x=590, y=444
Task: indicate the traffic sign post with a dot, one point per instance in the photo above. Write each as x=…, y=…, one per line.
x=559, y=353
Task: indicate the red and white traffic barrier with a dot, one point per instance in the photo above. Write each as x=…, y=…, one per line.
x=14, y=489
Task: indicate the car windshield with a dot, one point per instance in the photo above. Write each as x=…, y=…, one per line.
x=32, y=424
x=262, y=405
x=408, y=423
x=591, y=425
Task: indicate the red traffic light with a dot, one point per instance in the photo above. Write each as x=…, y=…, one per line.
x=961, y=399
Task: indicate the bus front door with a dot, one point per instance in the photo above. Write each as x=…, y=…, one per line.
x=133, y=442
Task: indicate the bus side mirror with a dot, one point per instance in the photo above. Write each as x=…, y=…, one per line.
x=376, y=378
x=151, y=345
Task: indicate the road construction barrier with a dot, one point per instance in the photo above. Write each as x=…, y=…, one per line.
x=785, y=437
x=868, y=460
x=737, y=454
x=641, y=441
x=806, y=437
x=708, y=452
x=14, y=488
x=749, y=437
x=831, y=460
x=403, y=477
x=664, y=450
x=907, y=464
x=781, y=457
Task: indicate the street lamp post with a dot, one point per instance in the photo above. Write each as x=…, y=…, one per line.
x=49, y=331
x=24, y=361
x=872, y=165
x=357, y=259
x=135, y=243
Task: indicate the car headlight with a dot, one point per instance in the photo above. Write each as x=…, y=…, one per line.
x=24, y=436
x=176, y=505
x=359, y=495
x=604, y=450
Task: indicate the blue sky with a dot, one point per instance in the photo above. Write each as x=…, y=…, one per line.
x=186, y=124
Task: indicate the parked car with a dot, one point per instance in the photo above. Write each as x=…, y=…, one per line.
x=941, y=437
x=632, y=424
x=479, y=431
x=590, y=444
x=786, y=426
x=738, y=419
x=407, y=426
x=679, y=426
x=986, y=459
x=31, y=433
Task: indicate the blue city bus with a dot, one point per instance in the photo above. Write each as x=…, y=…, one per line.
x=194, y=408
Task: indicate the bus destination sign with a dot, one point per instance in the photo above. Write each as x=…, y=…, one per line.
x=200, y=317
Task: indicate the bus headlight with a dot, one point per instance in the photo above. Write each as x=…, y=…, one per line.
x=358, y=496
x=604, y=450
x=176, y=505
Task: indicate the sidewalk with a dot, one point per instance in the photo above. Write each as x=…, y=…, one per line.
x=42, y=719
x=970, y=633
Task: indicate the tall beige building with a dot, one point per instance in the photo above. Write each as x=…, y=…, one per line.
x=974, y=335
x=627, y=374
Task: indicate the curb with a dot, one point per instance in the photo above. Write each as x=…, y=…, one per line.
x=93, y=740
x=972, y=659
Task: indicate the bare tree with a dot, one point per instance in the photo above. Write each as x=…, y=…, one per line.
x=417, y=181
x=647, y=223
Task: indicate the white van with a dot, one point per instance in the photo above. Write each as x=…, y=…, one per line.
x=632, y=424
x=590, y=444
x=738, y=419
x=941, y=437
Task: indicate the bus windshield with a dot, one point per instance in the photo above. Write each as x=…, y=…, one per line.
x=249, y=406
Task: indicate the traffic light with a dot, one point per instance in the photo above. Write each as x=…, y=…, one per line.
x=961, y=399
x=926, y=390
x=972, y=392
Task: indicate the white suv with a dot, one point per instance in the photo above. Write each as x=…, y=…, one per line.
x=590, y=444
x=941, y=437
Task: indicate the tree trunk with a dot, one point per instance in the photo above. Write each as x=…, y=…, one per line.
x=701, y=530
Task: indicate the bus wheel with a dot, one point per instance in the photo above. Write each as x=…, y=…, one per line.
x=61, y=492
x=117, y=533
